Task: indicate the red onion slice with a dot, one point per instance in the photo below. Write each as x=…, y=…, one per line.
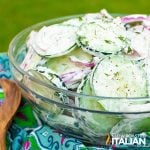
x=82, y=62
x=75, y=76
x=134, y=18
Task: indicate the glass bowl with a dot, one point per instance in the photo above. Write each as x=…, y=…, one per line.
x=89, y=125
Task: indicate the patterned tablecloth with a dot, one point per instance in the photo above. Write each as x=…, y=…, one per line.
x=28, y=132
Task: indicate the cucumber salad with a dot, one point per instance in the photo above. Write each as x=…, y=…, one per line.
x=95, y=54
x=112, y=52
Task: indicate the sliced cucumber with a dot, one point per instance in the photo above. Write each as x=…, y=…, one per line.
x=70, y=71
x=64, y=63
x=54, y=40
x=63, y=121
x=42, y=72
x=99, y=38
x=53, y=109
x=47, y=77
x=85, y=88
x=51, y=76
x=126, y=105
x=129, y=126
x=118, y=76
x=97, y=123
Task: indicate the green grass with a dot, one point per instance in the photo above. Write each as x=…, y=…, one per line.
x=16, y=15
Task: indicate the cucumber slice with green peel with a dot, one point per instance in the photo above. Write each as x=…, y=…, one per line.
x=47, y=76
x=64, y=63
x=46, y=92
x=54, y=40
x=54, y=80
x=97, y=123
x=99, y=38
x=128, y=126
x=51, y=76
x=85, y=88
x=71, y=67
x=119, y=76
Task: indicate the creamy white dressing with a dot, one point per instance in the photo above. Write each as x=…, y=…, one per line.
x=53, y=40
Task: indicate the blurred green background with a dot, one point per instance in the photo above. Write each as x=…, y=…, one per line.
x=16, y=15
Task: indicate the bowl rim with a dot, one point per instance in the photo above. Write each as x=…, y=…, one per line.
x=68, y=92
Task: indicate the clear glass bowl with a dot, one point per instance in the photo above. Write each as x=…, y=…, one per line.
x=89, y=125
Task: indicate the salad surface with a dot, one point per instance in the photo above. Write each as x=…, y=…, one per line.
x=95, y=54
